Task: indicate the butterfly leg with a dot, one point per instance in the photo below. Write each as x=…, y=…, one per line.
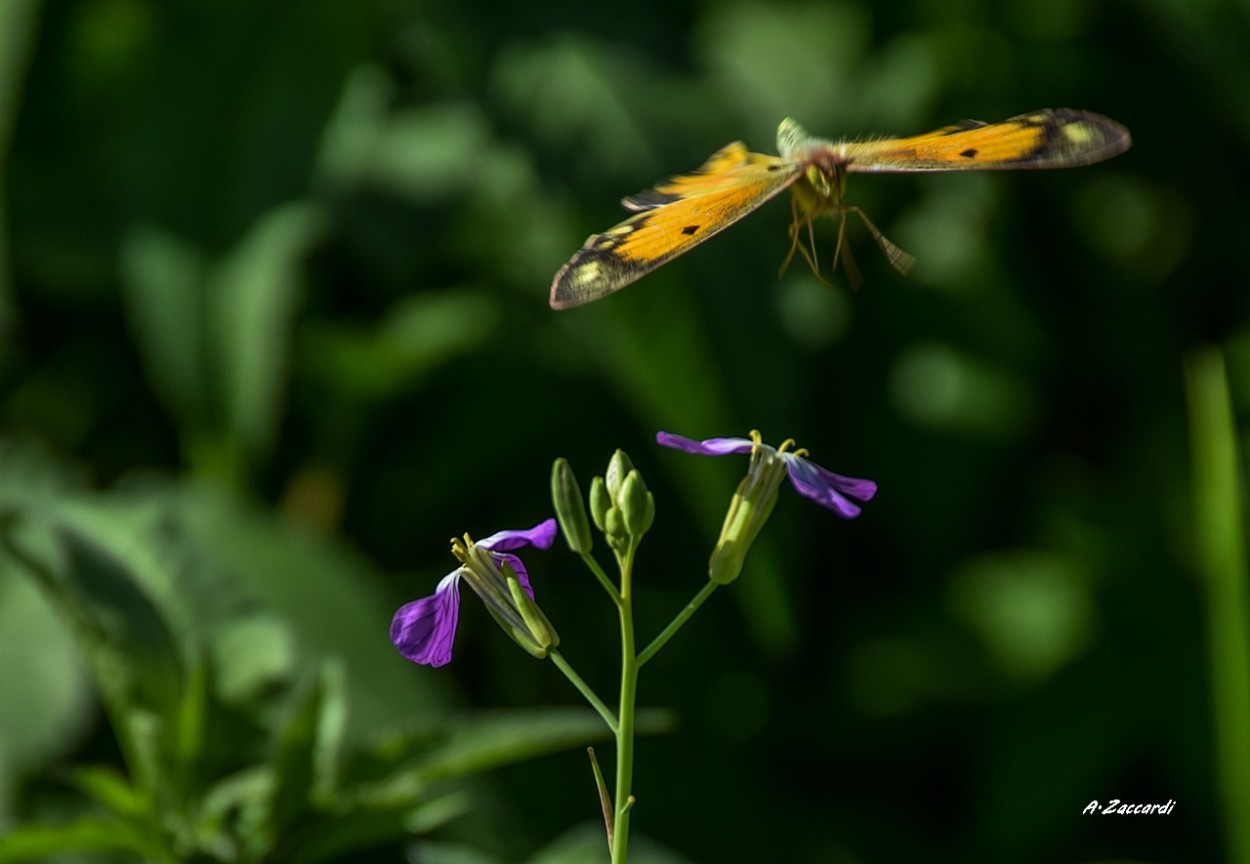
x=842, y=251
x=794, y=237
x=797, y=221
x=899, y=259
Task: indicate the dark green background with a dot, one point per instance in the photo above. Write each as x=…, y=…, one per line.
x=300, y=252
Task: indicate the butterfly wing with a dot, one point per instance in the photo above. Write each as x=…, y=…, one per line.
x=671, y=218
x=1051, y=138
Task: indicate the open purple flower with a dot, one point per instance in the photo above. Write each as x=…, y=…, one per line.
x=424, y=629
x=810, y=480
x=757, y=493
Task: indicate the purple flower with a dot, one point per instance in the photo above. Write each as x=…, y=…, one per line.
x=424, y=629
x=829, y=490
x=757, y=493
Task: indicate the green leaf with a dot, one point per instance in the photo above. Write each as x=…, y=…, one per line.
x=34, y=843
x=334, y=834
x=293, y=763
x=110, y=788
x=120, y=630
x=163, y=286
x=47, y=703
x=253, y=296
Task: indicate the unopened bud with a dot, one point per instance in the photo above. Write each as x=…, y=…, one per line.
x=637, y=505
x=619, y=467
x=570, y=508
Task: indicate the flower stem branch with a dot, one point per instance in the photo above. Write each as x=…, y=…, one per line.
x=602, y=577
x=591, y=696
x=678, y=622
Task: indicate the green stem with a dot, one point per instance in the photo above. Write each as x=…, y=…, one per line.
x=678, y=622
x=591, y=696
x=602, y=577
x=624, y=800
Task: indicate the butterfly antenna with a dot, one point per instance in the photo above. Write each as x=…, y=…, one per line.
x=899, y=259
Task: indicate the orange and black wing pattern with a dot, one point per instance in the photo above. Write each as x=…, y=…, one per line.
x=1052, y=138
x=671, y=218
x=683, y=211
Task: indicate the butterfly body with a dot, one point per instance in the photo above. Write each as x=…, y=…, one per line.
x=681, y=212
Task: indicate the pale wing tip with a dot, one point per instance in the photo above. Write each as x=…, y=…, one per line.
x=562, y=296
x=585, y=279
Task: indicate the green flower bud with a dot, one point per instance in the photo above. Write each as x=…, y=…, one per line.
x=619, y=467
x=637, y=504
x=600, y=503
x=570, y=508
x=616, y=531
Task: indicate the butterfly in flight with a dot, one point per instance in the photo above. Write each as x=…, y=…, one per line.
x=681, y=212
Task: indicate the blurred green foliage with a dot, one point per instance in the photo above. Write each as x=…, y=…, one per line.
x=273, y=284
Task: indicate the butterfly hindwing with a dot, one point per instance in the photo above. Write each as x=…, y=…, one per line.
x=671, y=217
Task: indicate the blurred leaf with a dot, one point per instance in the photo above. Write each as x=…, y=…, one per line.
x=429, y=153
x=111, y=789
x=455, y=853
x=416, y=336
x=327, y=756
x=253, y=297
x=133, y=654
x=292, y=766
x=254, y=654
x=1219, y=482
x=327, y=595
x=37, y=843
x=189, y=770
x=331, y=835
x=163, y=284
x=47, y=702
x=490, y=739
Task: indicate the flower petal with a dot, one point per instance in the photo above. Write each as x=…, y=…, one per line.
x=541, y=535
x=522, y=574
x=424, y=629
x=706, y=447
x=826, y=488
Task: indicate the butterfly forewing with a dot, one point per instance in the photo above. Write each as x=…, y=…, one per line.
x=1058, y=138
x=672, y=217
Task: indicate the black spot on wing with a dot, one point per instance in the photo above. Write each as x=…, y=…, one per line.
x=690, y=229
x=970, y=153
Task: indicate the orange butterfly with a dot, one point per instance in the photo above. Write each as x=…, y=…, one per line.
x=683, y=211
